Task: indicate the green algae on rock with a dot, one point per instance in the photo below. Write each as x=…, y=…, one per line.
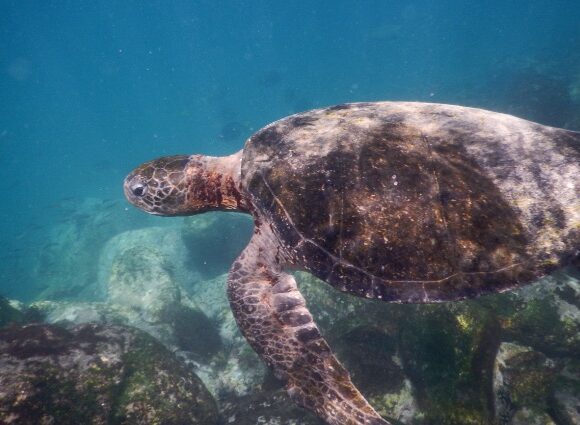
x=96, y=374
x=382, y=345
x=143, y=281
x=547, y=319
x=448, y=354
x=524, y=381
x=565, y=401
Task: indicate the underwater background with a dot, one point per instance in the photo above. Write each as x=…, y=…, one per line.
x=91, y=89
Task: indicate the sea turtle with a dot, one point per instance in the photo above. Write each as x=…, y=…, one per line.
x=401, y=201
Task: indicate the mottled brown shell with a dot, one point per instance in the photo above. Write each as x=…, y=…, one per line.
x=413, y=202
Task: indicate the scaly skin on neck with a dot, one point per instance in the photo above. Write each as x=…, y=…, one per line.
x=187, y=185
x=215, y=183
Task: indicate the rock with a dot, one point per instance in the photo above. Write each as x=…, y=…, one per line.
x=165, y=241
x=144, y=279
x=210, y=295
x=447, y=353
x=266, y=408
x=529, y=417
x=13, y=311
x=194, y=332
x=71, y=313
x=141, y=279
x=214, y=240
x=523, y=384
x=65, y=267
x=371, y=358
x=96, y=374
x=546, y=315
x=142, y=274
x=239, y=371
x=565, y=402
x=143, y=292
x=143, y=283
x=8, y=313
x=370, y=354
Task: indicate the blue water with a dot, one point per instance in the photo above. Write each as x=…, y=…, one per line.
x=91, y=89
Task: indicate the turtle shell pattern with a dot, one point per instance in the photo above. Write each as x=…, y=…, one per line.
x=415, y=202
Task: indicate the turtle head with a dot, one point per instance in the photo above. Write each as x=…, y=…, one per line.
x=184, y=185
x=159, y=186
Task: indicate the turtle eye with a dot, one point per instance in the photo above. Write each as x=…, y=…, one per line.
x=138, y=189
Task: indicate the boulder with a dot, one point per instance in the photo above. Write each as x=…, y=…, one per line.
x=417, y=364
x=236, y=371
x=168, y=247
x=266, y=408
x=8, y=313
x=143, y=292
x=96, y=374
x=523, y=384
x=214, y=240
x=546, y=315
x=144, y=286
x=565, y=400
x=529, y=417
x=65, y=266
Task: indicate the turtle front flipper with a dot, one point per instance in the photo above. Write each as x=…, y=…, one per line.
x=273, y=317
